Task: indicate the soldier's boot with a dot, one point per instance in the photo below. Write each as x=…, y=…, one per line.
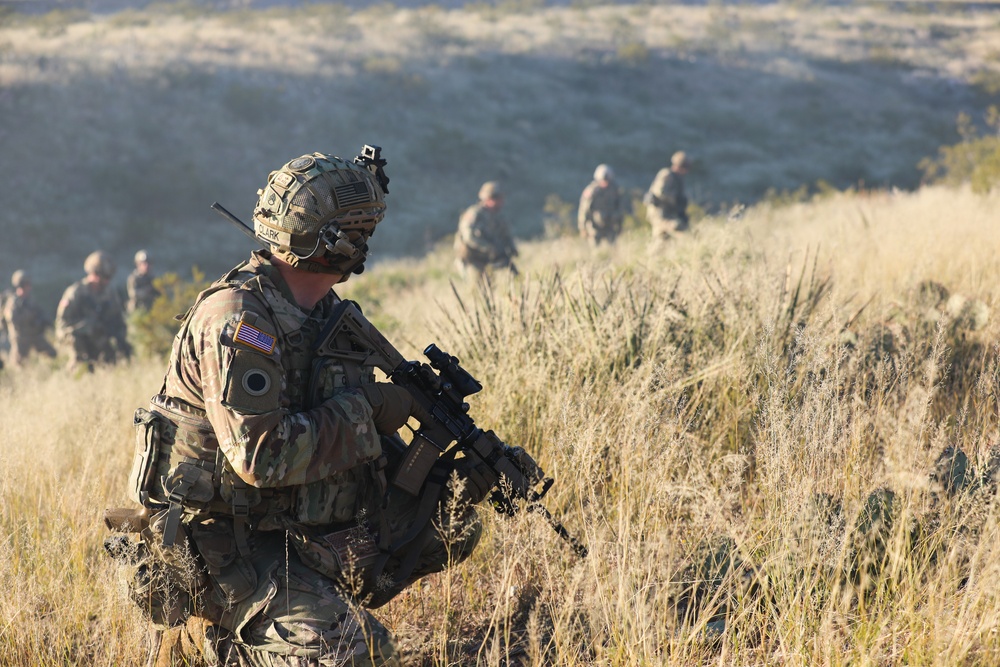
x=165, y=648
x=197, y=643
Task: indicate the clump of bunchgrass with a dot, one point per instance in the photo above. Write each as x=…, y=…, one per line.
x=755, y=432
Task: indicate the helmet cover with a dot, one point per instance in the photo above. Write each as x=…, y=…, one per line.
x=98, y=263
x=490, y=190
x=604, y=173
x=318, y=211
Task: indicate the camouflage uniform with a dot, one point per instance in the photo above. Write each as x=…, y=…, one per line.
x=601, y=209
x=297, y=426
x=141, y=291
x=483, y=239
x=25, y=325
x=666, y=203
x=90, y=324
x=272, y=523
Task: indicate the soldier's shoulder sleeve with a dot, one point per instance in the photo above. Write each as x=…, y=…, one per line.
x=69, y=297
x=238, y=350
x=71, y=291
x=470, y=225
x=656, y=187
x=216, y=318
x=469, y=216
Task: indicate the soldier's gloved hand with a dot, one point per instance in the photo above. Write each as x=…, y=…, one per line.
x=392, y=406
x=526, y=464
x=478, y=478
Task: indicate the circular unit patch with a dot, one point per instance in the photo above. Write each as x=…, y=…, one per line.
x=256, y=382
x=301, y=163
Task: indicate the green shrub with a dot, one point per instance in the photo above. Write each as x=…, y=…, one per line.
x=152, y=331
x=559, y=217
x=633, y=53
x=779, y=198
x=986, y=80
x=636, y=219
x=974, y=160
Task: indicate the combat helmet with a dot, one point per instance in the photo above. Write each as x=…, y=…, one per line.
x=318, y=211
x=490, y=190
x=98, y=263
x=19, y=279
x=604, y=173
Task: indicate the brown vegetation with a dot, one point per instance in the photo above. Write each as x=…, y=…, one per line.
x=743, y=430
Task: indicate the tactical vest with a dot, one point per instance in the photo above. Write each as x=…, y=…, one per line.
x=179, y=468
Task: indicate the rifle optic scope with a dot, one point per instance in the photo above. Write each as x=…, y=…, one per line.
x=449, y=367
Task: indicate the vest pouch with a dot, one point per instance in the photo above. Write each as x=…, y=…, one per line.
x=233, y=578
x=330, y=500
x=471, y=255
x=343, y=555
x=229, y=482
x=191, y=481
x=149, y=428
x=185, y=439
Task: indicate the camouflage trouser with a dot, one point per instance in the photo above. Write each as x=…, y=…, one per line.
x=663, y=228
x=470, y=270
x=21, y=347
x=297, y=617
x=85, y=352
x=597, y=235
x=478, y=271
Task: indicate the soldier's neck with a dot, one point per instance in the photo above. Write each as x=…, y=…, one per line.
x=307, y=288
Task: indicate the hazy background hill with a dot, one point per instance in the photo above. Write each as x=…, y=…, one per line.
x=119, y=129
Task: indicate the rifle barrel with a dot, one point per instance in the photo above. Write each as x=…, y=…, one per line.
x=557, y=526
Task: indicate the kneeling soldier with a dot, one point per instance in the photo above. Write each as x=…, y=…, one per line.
x=270, y=528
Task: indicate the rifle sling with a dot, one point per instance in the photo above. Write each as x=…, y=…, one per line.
x=429, y=501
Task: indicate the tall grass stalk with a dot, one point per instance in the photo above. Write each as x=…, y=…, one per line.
x=743, y=431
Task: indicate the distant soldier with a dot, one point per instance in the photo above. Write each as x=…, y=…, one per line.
x=601, y=208
x=483, y=239
x=24, y=321
x=141, y=291
x=666, y=203
x=90, y=321
x=4, y=340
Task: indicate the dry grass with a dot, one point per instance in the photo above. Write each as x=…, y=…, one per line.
x=680, y=400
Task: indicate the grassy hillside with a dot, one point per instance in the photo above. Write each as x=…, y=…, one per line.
x=119, y=130
x=743, y=430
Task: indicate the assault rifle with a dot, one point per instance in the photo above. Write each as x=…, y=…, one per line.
x=441, y=388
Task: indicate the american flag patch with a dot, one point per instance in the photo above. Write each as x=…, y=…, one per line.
x=253, y=337
x=351, y=194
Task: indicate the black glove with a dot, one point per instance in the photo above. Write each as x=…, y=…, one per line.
x=477, y=477
x=527, y=465
x=392, y=406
